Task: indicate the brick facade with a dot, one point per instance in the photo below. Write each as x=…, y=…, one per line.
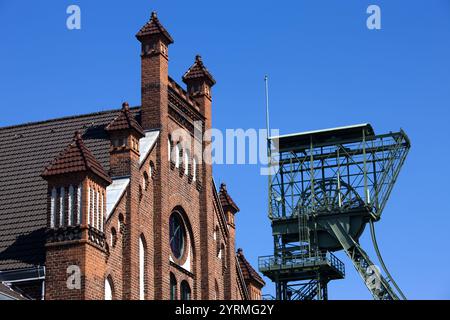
x=130, y=249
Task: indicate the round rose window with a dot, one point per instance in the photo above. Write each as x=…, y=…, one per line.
x=177, y=234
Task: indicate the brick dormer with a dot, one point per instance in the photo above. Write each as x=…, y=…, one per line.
x=198, y=79
x=76, y=208
x=124, y=133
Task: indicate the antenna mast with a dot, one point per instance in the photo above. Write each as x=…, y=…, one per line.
x=266, y=82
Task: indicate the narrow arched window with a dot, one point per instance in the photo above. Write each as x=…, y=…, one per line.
x=121, y=223
x=141, y=269
x=53, y=208
x=185, y=290
x=113, y=237
x=70, y=208
x=79, y=206
x=109, y=289
x=173, y=287
x=186, y=162
x=223, y=257
x=151, y=170
x=61, y=206
x=194, y=169
x=217, y=238
x=169, y=148
x=177, y=235
x=145, y=181
x=177, y=155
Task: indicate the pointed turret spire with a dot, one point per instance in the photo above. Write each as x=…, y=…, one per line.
x=198, y=72
x=76, y=158
x=154, y=28
x=125, y=121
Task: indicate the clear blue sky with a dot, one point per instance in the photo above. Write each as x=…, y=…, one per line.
x=326, y=69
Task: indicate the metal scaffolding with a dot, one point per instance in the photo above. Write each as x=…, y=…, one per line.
x=324, y=187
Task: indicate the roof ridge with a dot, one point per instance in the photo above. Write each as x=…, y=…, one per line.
x=63, y=118
x=251, y=272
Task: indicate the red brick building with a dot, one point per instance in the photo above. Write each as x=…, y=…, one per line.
x=118, y=204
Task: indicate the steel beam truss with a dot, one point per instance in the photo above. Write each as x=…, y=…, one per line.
x=370, y=167
x=310, y=185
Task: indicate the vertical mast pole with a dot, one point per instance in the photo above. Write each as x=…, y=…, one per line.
x=266, y=82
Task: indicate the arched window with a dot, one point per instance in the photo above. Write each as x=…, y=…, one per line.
x=217, y=239
x=141, y=268
x=194, y=169
x=53, y=208
x=113, y=237
x=70, y=208
x=173, y=287
x=151, y=169
x=177, y=155
x=169, y=146
x=61, y=206
x=121, y=223
x=186, y=162
x=109, y=289
x=185, y=290
x=145, y=181
x=223, y=257
x=177, y=233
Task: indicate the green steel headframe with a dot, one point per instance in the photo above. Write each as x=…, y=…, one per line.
x=366, y=162
x=324, y=187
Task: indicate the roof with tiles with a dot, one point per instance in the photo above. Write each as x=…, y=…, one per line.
x=198, y=71
x=248, y=272
x=76, y=158
x=125, y=121
x=25, y=150
x=153, y=27
x=225, y=198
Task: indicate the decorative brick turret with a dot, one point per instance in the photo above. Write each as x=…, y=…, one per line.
x=199, y=82
x=155, y=41
x=124, y=132
x=76, y=206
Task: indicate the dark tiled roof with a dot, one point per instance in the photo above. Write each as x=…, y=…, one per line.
x=76, y=158
x=198, y=71
x=125, y=120
x=225, y=199
x=25, y=150
x=248, y=272
x=153, y=27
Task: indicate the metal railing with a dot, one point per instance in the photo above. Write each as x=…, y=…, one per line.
x=268, y=263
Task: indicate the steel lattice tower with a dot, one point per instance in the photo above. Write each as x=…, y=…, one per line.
x=324, y=187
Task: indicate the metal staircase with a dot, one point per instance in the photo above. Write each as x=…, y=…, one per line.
x=308, y=291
